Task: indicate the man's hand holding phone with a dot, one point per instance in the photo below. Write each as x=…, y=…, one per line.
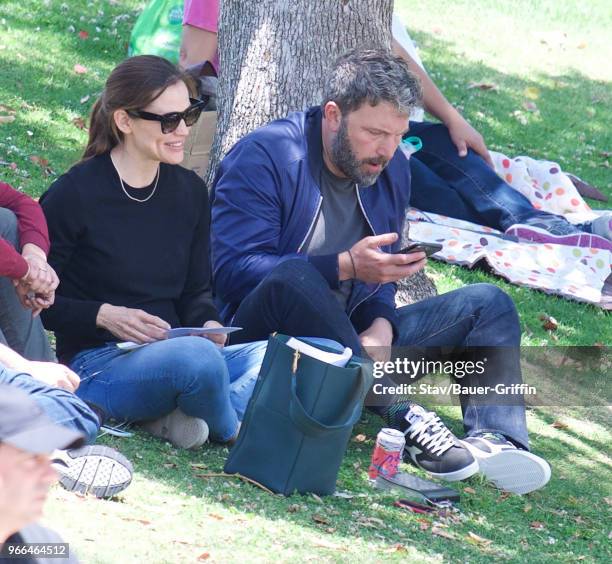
x=365, y=261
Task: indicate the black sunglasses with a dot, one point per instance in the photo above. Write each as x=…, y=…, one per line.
x=169, y=122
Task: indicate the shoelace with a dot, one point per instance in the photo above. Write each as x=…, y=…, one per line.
x=432, y=433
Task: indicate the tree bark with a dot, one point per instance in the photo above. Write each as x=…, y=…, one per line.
x=274, y=55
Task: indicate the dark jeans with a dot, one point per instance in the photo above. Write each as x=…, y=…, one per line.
x=296, y=300
x=462, y=187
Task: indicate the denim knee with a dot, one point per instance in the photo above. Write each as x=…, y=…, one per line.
x=498, y=307
x=198, y=364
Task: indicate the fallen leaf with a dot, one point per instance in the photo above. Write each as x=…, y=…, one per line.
x=84, y=98
x=373, y=522
x=537, y=525
x=215, y=516
x=579, y=520
x=344, y=495
x=476, y=539
x=503, y=496
x=532, y=92
x=469, y=490
x=581, y=45
x=424, y=524
x=168, y=464
x=80, y=69
x=7, y=119
x=7, y=109
x=196, y=466
x=559, y=425
x=79, y=122
x=293, y=508
x=39, y=161
x=549, y=323
x=530, y=106
x=320, y=519
x=528, y=507
x=608, y=500
x=83, y=34
x=482, y=86
x=204, y=556
x=396, y=548
x=360, y=438
x=442, y=533
x=321, y=543
x=316, y=498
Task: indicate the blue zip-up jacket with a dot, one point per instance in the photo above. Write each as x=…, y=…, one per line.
x=266, y=199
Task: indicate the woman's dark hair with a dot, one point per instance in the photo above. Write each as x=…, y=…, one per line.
x=132, y=85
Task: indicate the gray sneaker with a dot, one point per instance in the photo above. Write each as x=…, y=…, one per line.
x=98, y=470
x=509, y=468
x=559, y=231
x=181, y=430
x=601, y=226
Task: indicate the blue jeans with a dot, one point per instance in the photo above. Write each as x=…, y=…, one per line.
x=463, y=187
x=187, y=372
x=61, y=406
x=296, y=300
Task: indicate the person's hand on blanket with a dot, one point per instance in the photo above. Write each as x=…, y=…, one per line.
x=465, y=137
x=129, y=324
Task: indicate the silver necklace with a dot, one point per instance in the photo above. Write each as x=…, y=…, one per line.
x=126, y=192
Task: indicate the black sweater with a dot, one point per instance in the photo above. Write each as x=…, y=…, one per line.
x=107, y=248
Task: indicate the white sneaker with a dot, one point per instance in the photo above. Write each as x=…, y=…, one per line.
x=181, y=430
x=509, y=468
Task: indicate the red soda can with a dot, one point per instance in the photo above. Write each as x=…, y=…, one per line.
x=387, y=453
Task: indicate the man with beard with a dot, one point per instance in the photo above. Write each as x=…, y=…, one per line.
x=305, y=221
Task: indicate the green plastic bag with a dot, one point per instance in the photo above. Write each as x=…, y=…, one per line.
x=158, y=30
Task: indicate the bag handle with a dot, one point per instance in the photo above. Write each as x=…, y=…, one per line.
x=309, y=425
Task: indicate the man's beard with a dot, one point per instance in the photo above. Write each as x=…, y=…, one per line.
x=344, y=158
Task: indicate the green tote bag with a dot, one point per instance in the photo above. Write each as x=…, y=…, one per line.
x=299, y=420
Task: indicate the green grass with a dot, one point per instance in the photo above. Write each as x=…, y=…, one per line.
x=170, y=514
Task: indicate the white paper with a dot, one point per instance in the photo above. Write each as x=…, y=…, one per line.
x=336, y=359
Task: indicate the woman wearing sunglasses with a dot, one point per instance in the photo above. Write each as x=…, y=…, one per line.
x=130, y=241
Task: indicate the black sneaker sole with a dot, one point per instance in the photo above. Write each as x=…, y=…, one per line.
x=97, y=470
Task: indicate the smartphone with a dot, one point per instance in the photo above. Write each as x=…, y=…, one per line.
x=419, y=246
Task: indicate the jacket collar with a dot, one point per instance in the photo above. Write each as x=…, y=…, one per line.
x=314, y=138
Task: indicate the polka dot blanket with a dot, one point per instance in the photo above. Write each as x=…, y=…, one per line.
x=573, y=272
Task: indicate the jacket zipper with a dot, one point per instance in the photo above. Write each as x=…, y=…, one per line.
x=373, y=233
x=312, y=223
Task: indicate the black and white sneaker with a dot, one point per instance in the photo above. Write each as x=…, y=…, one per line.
x=431, y=446
x=509, y=468
x=98, y=470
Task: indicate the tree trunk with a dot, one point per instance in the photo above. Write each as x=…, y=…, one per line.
x=275, y=55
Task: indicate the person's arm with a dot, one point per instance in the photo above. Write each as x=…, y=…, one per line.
x=197, y=45
x=196, y=306
x=49, y=373
x=66, y=219
x=199, y=42
x=464, y=136
x=246, y=221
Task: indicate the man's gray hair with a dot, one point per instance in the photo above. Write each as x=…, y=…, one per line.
x=373, y=76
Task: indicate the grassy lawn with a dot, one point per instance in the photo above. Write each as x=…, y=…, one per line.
x=554, y=54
